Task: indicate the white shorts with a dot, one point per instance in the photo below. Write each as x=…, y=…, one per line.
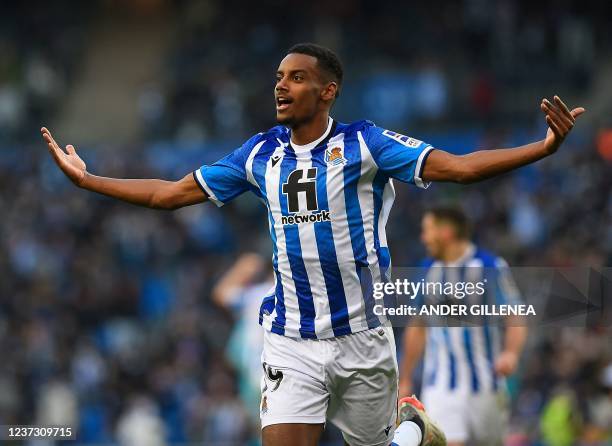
x=350, y=381
x=478, y=419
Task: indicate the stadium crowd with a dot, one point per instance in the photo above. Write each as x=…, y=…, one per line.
x=106, y=320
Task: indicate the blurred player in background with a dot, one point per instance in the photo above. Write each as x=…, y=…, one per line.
x=463, y=382
x=240, y=290
x=328, y=190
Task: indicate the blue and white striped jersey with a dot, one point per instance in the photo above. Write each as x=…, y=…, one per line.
x=462, y=359
x=328, y=204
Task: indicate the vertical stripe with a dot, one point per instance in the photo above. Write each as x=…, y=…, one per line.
x=383, y=196
x=352, y=176
x=388, y=197
x=488, y=341
x=467, y=340
x=259, y=186
x=431, y=364
x=316, y=313
x=303, y=314
x=335, y=300
x=480, y=358
x=283, y=320
x=452, y=363
x=474, y=273
x=497, y=344
x=340, y=243
x=465, y=355
x=435, y=359
x=275, y=321
x=365, y=197
x=455, y=274
x=249, y=165
x=489, y=350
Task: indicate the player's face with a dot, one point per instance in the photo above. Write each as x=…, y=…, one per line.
x=435, y=235
x=298, y=90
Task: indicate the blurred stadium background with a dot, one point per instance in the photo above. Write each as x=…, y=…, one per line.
x=106, y=316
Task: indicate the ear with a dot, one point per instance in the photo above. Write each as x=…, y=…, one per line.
x=329, y=92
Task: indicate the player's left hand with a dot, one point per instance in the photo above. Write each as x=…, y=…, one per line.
x=560, y=122
x=506, y=363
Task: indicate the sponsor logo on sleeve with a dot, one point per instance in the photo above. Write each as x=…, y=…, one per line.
x=403, y=139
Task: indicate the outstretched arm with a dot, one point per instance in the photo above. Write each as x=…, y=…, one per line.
x=152, y=193
x=477, y=166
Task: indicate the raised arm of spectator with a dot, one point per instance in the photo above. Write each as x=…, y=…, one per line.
x=241, y=274
x=477, y=166
x=152, y=193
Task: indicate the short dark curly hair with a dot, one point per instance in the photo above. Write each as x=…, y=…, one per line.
x=327, y=60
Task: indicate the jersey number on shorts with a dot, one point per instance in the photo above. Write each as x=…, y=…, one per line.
x=275, y=376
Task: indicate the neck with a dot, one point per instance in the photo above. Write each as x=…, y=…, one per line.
x=307, y=132
x=455, y=250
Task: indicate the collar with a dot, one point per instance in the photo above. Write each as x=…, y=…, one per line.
x=311, y=145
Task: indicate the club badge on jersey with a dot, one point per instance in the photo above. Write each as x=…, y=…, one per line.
x=334, y=156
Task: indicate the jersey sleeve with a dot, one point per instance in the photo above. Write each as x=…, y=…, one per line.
x=399, y=156
x=226, y=179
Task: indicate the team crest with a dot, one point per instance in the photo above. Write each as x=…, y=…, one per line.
x=403, y=139
x=334, y=156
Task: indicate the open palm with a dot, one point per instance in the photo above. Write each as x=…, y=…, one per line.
x=560, y=121
x=70, y=163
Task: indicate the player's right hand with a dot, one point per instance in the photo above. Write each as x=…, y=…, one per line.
x=70, y=163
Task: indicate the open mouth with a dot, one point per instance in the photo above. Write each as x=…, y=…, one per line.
x=283, y=103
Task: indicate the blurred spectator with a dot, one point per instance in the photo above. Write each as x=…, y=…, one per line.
x=600, y=410
x=560, y=424
x=57, y=405
x=241, y=290
x=140, y=425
